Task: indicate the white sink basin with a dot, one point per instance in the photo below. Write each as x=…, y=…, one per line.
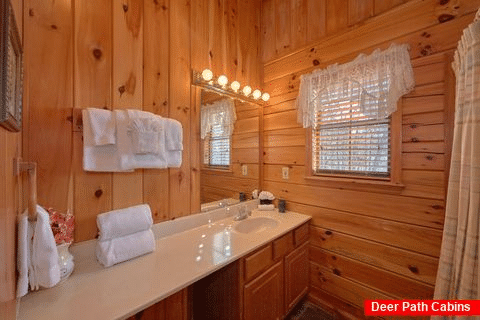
x=255, y=225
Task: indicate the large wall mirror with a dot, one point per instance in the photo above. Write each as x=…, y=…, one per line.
x=229, y=150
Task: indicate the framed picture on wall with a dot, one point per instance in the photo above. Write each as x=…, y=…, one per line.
x=11, y=70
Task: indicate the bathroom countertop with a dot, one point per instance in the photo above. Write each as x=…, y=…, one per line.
x=180, y=259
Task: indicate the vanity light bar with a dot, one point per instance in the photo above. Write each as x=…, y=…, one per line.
x=221, y=85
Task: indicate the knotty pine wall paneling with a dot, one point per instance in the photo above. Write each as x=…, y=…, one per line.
x=126, y=54
x=370, y=242
x=10, y=203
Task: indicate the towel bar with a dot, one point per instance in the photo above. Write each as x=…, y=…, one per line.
x=31, y=168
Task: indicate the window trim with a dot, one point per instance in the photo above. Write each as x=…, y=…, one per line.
x=393, y=182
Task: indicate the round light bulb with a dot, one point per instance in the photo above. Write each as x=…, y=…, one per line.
x=207, y=75
x=247, y=90
x=235, y=86
x=256, y=94
x=265, y=97
x=222, y=80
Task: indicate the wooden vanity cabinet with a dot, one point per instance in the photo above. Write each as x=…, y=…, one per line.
x=277, y=276
x=264, y=295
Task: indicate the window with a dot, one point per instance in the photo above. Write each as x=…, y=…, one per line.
x=350, y=109
x=216, y=150
x=217, y=122
x=347, y=139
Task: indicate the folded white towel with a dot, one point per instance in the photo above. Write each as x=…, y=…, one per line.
x=122, y=222
x=130, y=160
x=265, y=195
x=23, y=255
x=100, y=158
x=102, y=126
x=146, y=135
x=266, y=207
x=117, y=250
x=46, y=271
x=173, y=135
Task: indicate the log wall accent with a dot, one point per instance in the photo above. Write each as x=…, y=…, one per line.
x=367, y=241
x=10, y=202
x=134, y=54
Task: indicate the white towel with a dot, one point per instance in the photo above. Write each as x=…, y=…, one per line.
x=173, y=142
x=23, y=255
x=173, y=135
x=103, y=158
x=265, y=195
x=102, y=126
x=122, y=222
x=44, y=259
x=146, y=135
x=117, y=250
x=266, y=207
x=130, y=160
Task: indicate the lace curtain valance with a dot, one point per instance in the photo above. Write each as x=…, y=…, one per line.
x=374, y=82
x=220, y=113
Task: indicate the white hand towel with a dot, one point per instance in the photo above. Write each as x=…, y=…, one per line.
x=44, y=253
x=266, y=207
x=102, y=125
x=265, y=195
x=117, y=250
x=122, y=222
x=146, y=135
x=99, y=158
x=130, y=160
x=23, y=256
x=173, y=135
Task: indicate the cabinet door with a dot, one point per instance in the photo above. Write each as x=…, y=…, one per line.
x=264, y=295
x=296, y=276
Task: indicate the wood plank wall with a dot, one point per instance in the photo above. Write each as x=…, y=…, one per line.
x=218, y=184
x=288, y=25
x=10, y=202
x=366, y=242
x=126, y=54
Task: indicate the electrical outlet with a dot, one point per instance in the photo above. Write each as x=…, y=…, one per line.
x=244, y=170
x=285, y=173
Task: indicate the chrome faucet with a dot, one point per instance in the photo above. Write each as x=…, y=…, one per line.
x=242, y=213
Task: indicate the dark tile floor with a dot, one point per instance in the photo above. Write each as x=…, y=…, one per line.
x=309, y=311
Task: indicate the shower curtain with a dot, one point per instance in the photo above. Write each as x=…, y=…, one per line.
x=457, y=276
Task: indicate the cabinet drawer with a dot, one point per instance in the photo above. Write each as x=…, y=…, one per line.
x=258, y=261
x=301, y=234
x=283, y=246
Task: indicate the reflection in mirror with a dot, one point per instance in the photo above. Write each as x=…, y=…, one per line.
x=229, y=150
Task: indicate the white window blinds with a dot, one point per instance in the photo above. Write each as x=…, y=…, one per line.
x=348, y=108
x=217, y=147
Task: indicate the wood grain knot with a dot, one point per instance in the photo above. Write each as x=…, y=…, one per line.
x=413, y=269
x=313, y=49
x=316, y=62
x=235, y=62
x=122, y=90
x=437, y=207
x=125, y=7
x=97, y=53
x=429, y=157
x=165, y=102
x=427, y=50
x=334, y=258
x=210, y=53
x=445, y=17
x=98, y=193
x=415, y=139
x=328, y=232
x=31, y=13
x=413, y=126
x=54, y=27
x=336, y=272
x=426, y=35
x=444, y=2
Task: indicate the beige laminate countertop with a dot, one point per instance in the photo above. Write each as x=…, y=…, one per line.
x=94, y=292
